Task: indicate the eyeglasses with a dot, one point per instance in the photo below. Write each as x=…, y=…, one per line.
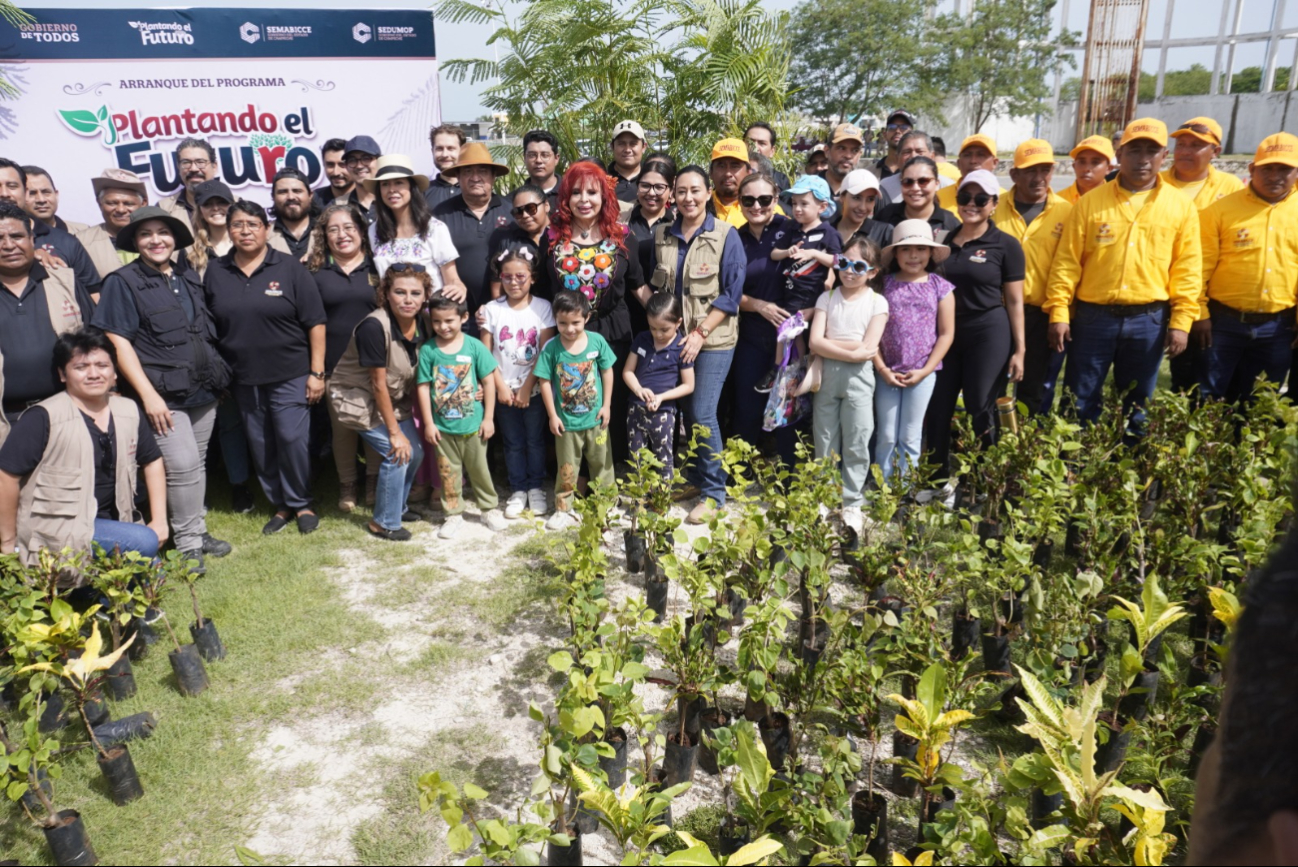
x=247, y=226
x=979, y=200
x=353, y=162
x=893, y=127
x=530, y=209
x=344, y=229
x=402, y=267
x=917, y=182
x=656, y=189
x=756, y=201
x=539, y=155
x=195, y=164
x=856, y=266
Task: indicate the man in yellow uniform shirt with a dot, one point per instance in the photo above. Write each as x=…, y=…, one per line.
x=1034, y=215
x=1198, y=141
x=1092, y=159
x=1250, y=267
x=976, y=152
x=1127, y=277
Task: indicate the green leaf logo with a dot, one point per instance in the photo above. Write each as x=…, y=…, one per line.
x=84, y=122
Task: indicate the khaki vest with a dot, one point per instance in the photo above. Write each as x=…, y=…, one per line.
x=99, y=244
x=60, y=297
x=56, y=502
x=172, y=205
x=702, y=283
x=350, y=391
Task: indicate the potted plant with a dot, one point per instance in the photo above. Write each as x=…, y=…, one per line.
x=203, y=630
x=118, y=576
x=927, y=721
x=499, y=840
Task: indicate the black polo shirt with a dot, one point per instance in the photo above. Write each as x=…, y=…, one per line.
x=62, y=244
x=880, y=233
x=979, y=270
x=347, y=299
x=262, y=321
x=511, y=237
x=324, y=197
x=763, y=279
x=628, y=189
x=472, y=237
x=27, y=340
x=440, y=190
x=25, y=448
x=943, y=221
x=881, y=169
x=296, y=246
x=372, y=349
x=552, y=194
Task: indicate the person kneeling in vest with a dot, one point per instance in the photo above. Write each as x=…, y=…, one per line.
x=157, y=319
x=69, y=466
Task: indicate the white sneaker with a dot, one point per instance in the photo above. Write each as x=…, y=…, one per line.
x=947, y=495
x=561, y=521
x=450, y=527
x=517, y=503
x=536, y=502
x=852, y=518
x=495, y=521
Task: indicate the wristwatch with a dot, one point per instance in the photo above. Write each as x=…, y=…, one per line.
x=704, y=331
x=318, y=374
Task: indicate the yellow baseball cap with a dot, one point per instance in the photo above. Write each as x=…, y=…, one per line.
x=980, y=140
x=1098, y=143
x=730, y=148
x=1202, y=128
x=1280, y=148
x=1147, y=128
x=1033, y=152
x=845, y=131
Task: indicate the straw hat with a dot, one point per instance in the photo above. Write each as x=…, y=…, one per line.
x=914, y=233
x=391, y=167
x=475, y=154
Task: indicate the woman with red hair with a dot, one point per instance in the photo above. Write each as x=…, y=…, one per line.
x=587, y=252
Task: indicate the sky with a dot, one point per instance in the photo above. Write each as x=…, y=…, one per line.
x=461, y=102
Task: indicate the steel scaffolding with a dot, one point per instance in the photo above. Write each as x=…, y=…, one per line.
x=1115, y=37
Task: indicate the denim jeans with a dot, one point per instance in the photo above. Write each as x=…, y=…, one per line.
x=522, y=432
x=1131, y=345
x=1243, y=352
x=899, y=424
x=129, y=537
x=395, y=480
x=705, y=472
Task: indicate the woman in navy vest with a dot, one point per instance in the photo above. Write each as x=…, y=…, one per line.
x=154, y=313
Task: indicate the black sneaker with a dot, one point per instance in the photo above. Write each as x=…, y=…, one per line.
x=241, y=499
x=214, y=547
x=766, y=384
x=275, y=524
x=197, y=556
x=410, y=516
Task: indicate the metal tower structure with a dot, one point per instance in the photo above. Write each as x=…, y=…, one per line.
x=1115, y=38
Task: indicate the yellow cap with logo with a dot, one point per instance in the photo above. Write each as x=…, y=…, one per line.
x=1202, y=128
x=983, y=141
x=1098, y=143
x=1033, y=152
x=730, y=148
x=1280, y=148
x=1150, y=128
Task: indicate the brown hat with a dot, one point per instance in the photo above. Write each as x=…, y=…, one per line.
x=119, y=179
x=475, y=153
x=392, y=166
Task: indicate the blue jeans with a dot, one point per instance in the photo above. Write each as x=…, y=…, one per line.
x=395, y=480
x=1131, y=345
x=522, y=432
x=899, y=424
x=705, y=472
x=129, y=537
x=1246, y=351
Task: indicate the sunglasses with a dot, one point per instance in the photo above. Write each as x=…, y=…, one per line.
x=402, y=267
x=856, y=266
x=756, y=201
x=896, y=126
x=979, y=200
x=530, y=209
x=1201, y=129
x=917, y=182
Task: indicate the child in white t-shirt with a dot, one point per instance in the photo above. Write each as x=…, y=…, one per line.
x=515, y=327
x=845, y=332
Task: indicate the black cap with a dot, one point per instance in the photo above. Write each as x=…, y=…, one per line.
x=364, y=144
x=213, y=189
x=902, y=113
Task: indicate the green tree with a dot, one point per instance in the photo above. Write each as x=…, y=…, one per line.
x=855, y=58
x=1249, y=80
x=15, y=16
x=997, y=56
x=687, y=70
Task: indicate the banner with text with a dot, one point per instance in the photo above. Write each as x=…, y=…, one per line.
x=101, y=88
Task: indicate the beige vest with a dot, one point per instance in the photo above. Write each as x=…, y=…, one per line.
x=702, y=283
x=56, y=503
x=65, y=316
x=98, y=241
x=350, y=391
x=172, y=205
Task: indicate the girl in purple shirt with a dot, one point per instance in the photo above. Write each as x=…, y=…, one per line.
x=921, y=326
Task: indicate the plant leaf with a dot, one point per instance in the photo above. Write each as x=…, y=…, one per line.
x=81, y=121
x=755, y=851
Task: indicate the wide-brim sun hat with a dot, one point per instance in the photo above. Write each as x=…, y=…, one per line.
x=475, y=154
x=120, y=179
x=914, y=233
x=392, y=167
x=179, y=231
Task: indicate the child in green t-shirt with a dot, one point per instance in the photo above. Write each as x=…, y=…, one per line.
x=451, y=368
x=582, y=363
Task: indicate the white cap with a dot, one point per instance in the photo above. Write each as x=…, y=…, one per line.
x=628, y=126
x=858, y=181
